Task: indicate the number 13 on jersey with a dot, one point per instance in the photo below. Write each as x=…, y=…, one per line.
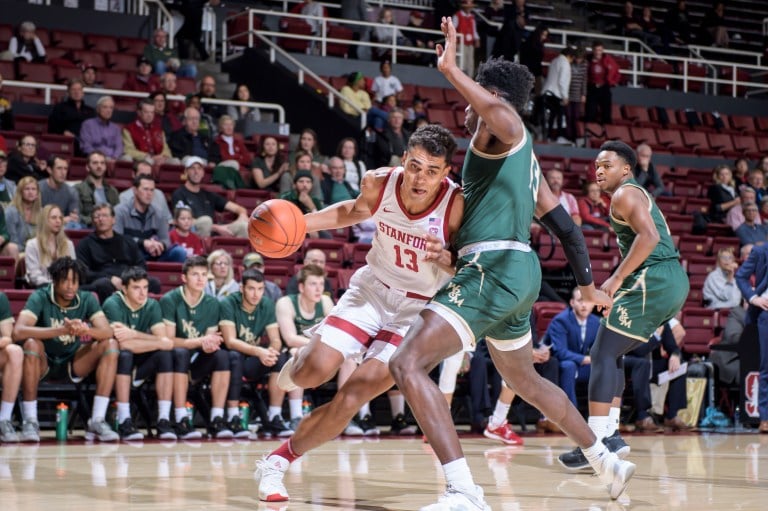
x=409, y=256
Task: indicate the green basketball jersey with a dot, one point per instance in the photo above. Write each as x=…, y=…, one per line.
x=190, y=319
x=42, y=307
x=300, y=321
x=249, y=326
x=499, y=195
x=5, y=309
x=142, y=319
x=625, y=236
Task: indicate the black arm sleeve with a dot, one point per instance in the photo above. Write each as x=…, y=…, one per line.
x=561, y=224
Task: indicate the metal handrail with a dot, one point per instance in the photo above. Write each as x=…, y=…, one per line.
x=163, y=17
x=48, y=87
x=726, y=52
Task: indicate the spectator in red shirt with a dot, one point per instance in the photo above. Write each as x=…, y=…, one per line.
x=144, y=140
x=182, y=234
x=231, y=146
x=602, y=74
x=143, y=80
x=594, y=209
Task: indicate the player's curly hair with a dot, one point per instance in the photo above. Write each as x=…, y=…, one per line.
x=625, y=152
x=59, y=269
x=435, y=139
x=512, y=81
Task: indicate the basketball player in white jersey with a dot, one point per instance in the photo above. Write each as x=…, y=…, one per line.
x=417, y=210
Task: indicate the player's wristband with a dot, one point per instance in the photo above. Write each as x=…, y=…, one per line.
x=560, y=222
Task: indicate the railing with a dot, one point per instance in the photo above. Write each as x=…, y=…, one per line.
x=48, y=88
x=726, y=52
x=301, y=70
x=163, y=17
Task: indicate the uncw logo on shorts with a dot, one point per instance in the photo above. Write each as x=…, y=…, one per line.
x=624, y=317
x=454, y=295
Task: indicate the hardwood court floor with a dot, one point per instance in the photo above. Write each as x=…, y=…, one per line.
x=687, y=472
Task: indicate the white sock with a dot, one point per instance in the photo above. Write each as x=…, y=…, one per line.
x=295, y=406
x=499, y=414
x=216, y=412
x=180, y=413
x=29, y=410
x=6, y=410
x=595, y=453
x=277, y=461
x=123, y=412
x=598, y=425
x=275, y=411
x=232, y=411
x=365, y=410
x=397, y=403
x=458, y=476
x=614, y=415
x=163, y=410
x=100, y=404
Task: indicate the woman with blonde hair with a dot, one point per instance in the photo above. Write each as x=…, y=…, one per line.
x=221, y=280
x=50, y=244
x=22, y=215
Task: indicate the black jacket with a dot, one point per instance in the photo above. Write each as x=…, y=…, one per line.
x=181, y=143
x=107, y=257
x=65, y=116
x=18, y=168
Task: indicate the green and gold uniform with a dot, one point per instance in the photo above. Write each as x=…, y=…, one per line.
x=300, y=321
x=189, y=319
x=41, y=306
x=498, y=279
x=142, y=319
x=5, y=309
x=653, y=293
x=249, y=326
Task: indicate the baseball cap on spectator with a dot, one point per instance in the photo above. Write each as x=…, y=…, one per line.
x=143, y=60
x=302, y=173
x=191, y=160
x=417, y=14
x=253, y=259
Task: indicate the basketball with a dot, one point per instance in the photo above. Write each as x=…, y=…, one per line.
x=276, y=228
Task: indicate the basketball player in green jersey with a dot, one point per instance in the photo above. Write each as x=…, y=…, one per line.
x=145, y=351
x=11, y=357
x=191, y=320
x=649, y=287
x=497, y=278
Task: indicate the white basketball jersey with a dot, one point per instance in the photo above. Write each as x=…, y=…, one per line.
x=399, y=246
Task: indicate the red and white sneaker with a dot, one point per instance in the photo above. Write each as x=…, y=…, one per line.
x=271, y=488
x=503, y=433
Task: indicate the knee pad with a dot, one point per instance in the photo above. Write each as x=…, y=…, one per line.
x=164, y=362
x=221, y=359
x=125, y=362
x=181, y=360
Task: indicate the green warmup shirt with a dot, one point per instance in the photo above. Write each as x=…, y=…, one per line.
x=190, y=319
x=5, y=309
x=142, y=319
x=300, y=321
x=249, y=326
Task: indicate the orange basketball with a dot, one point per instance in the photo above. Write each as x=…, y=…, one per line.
x=276, y=228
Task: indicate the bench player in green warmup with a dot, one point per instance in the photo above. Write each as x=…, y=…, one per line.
x=54, y=321
x=145, y=351
x=11, y=357
x=497, y=278
x=648, y=288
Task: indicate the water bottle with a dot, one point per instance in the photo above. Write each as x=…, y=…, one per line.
x=737, y=418
x=306, y=407
x=62, y=422
x=190, y=412
x=245, y=414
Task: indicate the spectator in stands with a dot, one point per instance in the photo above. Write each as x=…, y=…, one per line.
x=386, y=34
x=713, y=29
x=101, y=134
x=182, y=234
x=168, y=84
x=555, y=91
x=594, y=209
x=50, y=326
x=756, y=181
x=232, y=147
x=421, y=39
x=311, y=8
x=740, y=172
x=158, y=199
x=221, y=276
x=532, y=55
x=415, y=113
x=391, y=143
x=205, y=204
x=722, y=194
x=308, y=142
x=50, y=243
x=750, y=232
x=513, y=31
x=269, y=165
x=67, y=117
x=466, y=25
x=355, y=95
x=163, y=59
x=602, y=75
x=11, y=367
x=567, y=200
x=650, y=33
x=255, y=261
x=143, y=80
x=246, y=117
x=763, y=165
x=302, y=197
x=720, y=289
x=735, y=216
x=140, y=222
x=89, y=81
x=94, y=189
x=677, y=25
x=335, y=186
x=763, y=217
x=386, y=84
x=314, y=256
x=22, y=215
x=7, y=187
x=55, y=190
x=207, y=90
x=7, y=247
x=572, y=333
x=165, y=120
x=106, y=254
x=25, y=45
x=191, y=31
x=354, y=11
x=6, y=110
x=188, y=141
x=639, y=26
x=495, y=12
x=646, y=174
x=23, y=161
x=353, y=166
x=207, y=126
x=143, y=140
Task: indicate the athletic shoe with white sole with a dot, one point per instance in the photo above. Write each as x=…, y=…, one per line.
x=271, y=487
x=454, y=500
x=616, y=473
x=503, y=433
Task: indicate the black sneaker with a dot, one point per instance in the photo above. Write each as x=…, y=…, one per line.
x=368, y=426
x=236, y=427
x=401, y=427
x=165, y=430
x=574, y=461
x=128, y=431
x=617, y=445
x=218, y=428
x=186, y=431
x=277, y=428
